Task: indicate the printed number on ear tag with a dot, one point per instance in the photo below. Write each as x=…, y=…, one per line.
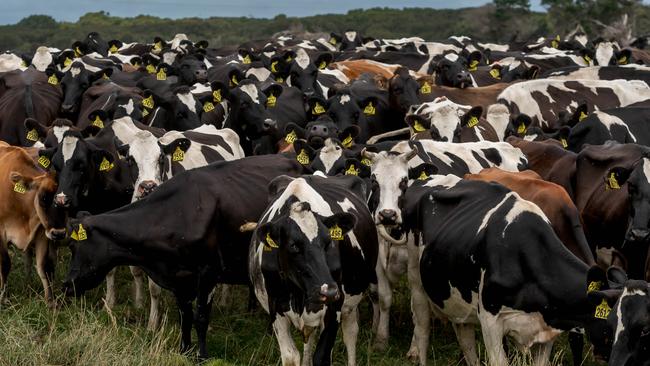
x=178, y=154
x=347, y=142
x=270, y=101
x=318, y=109
x=80, y=234
x=564, y=143
x=495, y=73
x=270, y=243
x=148, y=102
x=336, y=233
x=105, y=165
x=423, y=176
x=98, y=122
x=426, y=88
x=366, y=162
x=602, y=310
x=19, y=187
x=216, y=95
x=611, y=182
x=303, y=158
x=32, y=135
x=369, y=110
x=352, y=171
x=53, y=80
x=472, y=122
x=291, y=137
x=161, y=75
x=594, y=286
x=44, y=161
x=207, y=107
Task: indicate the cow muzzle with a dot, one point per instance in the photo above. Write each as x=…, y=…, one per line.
x=329, y=293
x=61, y=200
x=387, y=217
x=269, y=124
x=201, y=75
x=146, y=187
x=636, y=235
x=55, y=234
x=67, y=108
x=463, y=79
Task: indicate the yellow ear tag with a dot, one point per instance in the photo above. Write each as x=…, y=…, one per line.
x=347, y=142
x=216, y=95
x=336, y=233
x=24, y=64
x=148, y=102
x=135, y=64
x=556, y=42
x=145, y=112
x=32, y=135
x=495, y=73
x=233, y=80
x=417, y=126
x=67, y=61
x=291, y=137
x=612, y=183
x=583, y=115
x=366, y=162
x=318, y=109
x=105, y=165
x=369, y=110
x=98, y=122
x=80, y=234
x=161, y=75
x=273, y=68
x=113, y=49
x=564, y=143
x=587, y=58
x=322, y=65
x=426, y=88
x=333, y=41
x=288, y=59
x=594, y=286
x=77, y=52
x=602, y=310
x=151, y=69
x=247, y=59
x=53, y=79
x=521, y=129
x=270, y=243
x=473, y=65
x=270, y=101
x=208, y=106
x=303, y=158
x=473, y=121
x=157, y=46
x=352, y=171
x=19, y=187
x=44, y=161
x=105, y=77
x=622, y=60
x=279, y=80
x=178, y=154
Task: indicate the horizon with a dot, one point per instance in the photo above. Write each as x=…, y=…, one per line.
x=71, y=10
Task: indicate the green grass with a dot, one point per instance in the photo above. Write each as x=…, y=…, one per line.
x=82, y=332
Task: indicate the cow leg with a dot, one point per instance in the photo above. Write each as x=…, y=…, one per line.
x=350, y=326
x=186, y=315
x=420, y=308
x=202, y=316
x=138, y=282
x=44, y=267
x=323, y=354
x=492, y=329
x=28, y=260
x=110, y=288
x=154, y=309
x=576, y=343
x=385, y=299
x=224, y=295
x=5, y=267
x=288, y=351
x=311, y=334
x=467, y=340
x=541, y=353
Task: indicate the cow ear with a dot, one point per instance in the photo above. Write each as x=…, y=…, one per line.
x=472, y=117
x=425, y=84
x=102, y=159
x=356, y=167
x=616, y=177
x=581, y=113
x=235, y=76
x=304, y=153
x=368, y=105
x=323, y=60
x=563, y=136
x=348, y=135
x=101, y=74
x=219, y=91
x=422, y=171
x=335, y=39
x=98, y=118
x=623, y=56
x=473, y=60
x=33, y=125
x=21, y=183
x=292, y=132
x=274, y=90
x=532, y=72
x=316, y=106
x=122, y=149
x=417, y=123
x=596, y=279
x=181, y=143
x=521, y=124
x=616, y=276
x=343, y=221
x=278, y=184
x=269, y=235
x=201, y=44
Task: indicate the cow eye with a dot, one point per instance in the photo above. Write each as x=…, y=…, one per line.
x=403, y=184
x=293, y=248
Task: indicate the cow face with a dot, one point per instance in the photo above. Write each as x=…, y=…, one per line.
x=306, y=252
x=630, y=321
x=452, y=70
x=75, y=82
x=303, y=73
x=518, y=69
x=178, y=110
x=329, y=159
x=637, y=178
x=444, y=118
x=610, y=54
x=349, y=41
x=248, y=114
x=346, y=111
x=389, y=179
x=192, y=70
x=43, y=188
x=95, y=43
x=403, y=90
x=49, y=136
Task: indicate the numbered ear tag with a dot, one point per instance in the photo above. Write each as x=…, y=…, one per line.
x=145, y=112
x=333, y=41
x=583, y=115
x=98, y=122
x=347, y=142
x=234, y=81
x=495, y=73
x=53, y=80
x=594, y=286
x=473, y=121
x=622, y=60
x=247, y=59
x=564, y=143
x=602, y=310
x=425, y=88
x=612, y=183
x=67, y=62
x=369, y=110
x=303, y=158
x=352, y=171
x=587, y=58
x=32, y=135
x=423, y=176
x=279, y=80
x=366, y=162
x=291, y=137
x=113, y=49
x=157, y=46
x=77, y=52
x=105, y=77
x=318, y=109
x=161, y=75
x=44, y=161
x=105, y=165
x=19, y=187
x=148, y=102
x=208, y=106
x=178, y=154
x=417, y=126
x=274, y=65
x=336, y=233
x=556, y=42
x=473, y=65
x=151, y=69
x=216, y=96
x=322, y=65
x=79, y=234
x=270, y=243
x=270, y=101
x=521, y=129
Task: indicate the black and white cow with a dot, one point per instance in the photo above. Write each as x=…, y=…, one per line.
x=313, y=77
x=312, y=258
x=625, y=125
x=627, y=72
x=184, y=250
x=74, y=83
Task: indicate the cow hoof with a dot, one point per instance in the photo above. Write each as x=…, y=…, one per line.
x=412, y=355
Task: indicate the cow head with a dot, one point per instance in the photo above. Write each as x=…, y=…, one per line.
x=345, y=110
x=303, y=73
x=316, y=132
x=349, y=41
x=191, y=70
x=443, y=117
x=454, y=71
x=610, y=54
x=95, y=43
x=518, y=69
x=74, y=83
x=329, y=159
x=403, y=90
x=175, y=110
x=637, y=177
x=49, y=136
x=305, y=252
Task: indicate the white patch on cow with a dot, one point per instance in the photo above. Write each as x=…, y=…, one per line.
x=530, y=137
x=590, y=73
x=620, y=327
x=128, y=107
x=260, y=73
x=330, y=154
x=646, y=169
x=145, y=151
x=389, y=171
x=176, y=42
x=605, y=52
x=447, y=181
x=437, y=48
x=494, y=47
x=269, y=54
x=68, y=146
x=444, y=115
x=519, y=207
x=514, y=64
x=350, y=36
x=10, y=62
x=199, y=88
x=451, y=57
x=461, y=39
x=58, y=132
x=582, y=39
x=124, y=129
x=39, y=145
x=488, y=215
x=306, y=45
x=344, y=99
x=305, y=220
x=498, y=117
x=169, y=57
x=252, y=92
x=609, y=120
x=75, y=71
x=305, y=193
x=42, y=58
x=302, y=58
x=188, y=100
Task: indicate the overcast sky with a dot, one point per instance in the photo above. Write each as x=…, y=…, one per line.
x=11, y=11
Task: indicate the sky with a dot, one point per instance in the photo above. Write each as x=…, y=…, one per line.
x=11, y=11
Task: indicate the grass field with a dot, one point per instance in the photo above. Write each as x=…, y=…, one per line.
x=82, y=332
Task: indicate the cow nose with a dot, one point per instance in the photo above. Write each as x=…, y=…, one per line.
x=463, y=75
x=319, y=130
x=67, y=107
x=56, y=234
x=146, y=187
x=269, y=124
x=308, y=93
x=329, y=293
x=388, y=217
x=413, y=108
x=61, y=200
x=638, y=234
x=201, y=74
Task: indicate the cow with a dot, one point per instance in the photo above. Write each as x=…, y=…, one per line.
x=627, y=72
x=75, y=82
x=313, y=77
x=184, y=250
x=311, y=258
x=171, y=109
x=27, y=218
x=625, y=125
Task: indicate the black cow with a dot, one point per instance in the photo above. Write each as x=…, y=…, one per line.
x=184, y=250
x=625, y=125
x=312, y=258
x=74, y=83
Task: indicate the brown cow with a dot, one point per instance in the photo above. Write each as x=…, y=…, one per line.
x=27, y=193
x=355, y=68
x=552, y=199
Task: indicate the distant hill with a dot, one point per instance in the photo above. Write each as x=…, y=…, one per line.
x=431, y=24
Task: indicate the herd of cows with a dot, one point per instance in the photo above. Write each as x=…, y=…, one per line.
x=509, y=182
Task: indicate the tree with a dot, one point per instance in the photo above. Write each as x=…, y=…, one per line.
x=564, y=14
x=502, y=5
